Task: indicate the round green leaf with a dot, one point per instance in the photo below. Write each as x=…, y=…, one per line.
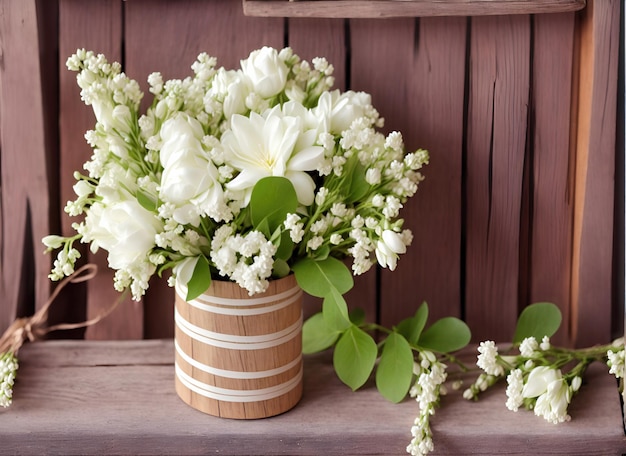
x=354, y=357
x=357, y=316
x=537, y=320
x=335, y=311
x=318, y=278
x=395, y=369
x=271, y=200
x=317, y=335
x=445, y=335
x=200, y=279
x=411, y=328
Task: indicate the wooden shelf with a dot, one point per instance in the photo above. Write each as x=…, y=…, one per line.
x=401, y=8
x=117, y=397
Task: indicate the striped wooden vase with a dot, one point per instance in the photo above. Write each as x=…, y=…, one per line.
x=240, y=356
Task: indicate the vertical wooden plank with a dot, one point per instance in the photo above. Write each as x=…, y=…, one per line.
x=24, y=179
x=167, y=37
x=496, y=141
x=310, y=38
x=95, y=26
x=595, y=169
x=552, y=194
x=375, y=69
x=420, y=89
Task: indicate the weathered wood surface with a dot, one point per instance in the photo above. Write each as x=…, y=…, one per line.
x=498, y=97
x=97, y=26
x=94, y=397
x=549, y=189
x=398, y=8
x=517, y=205
x=26, y=193
x=595, y=169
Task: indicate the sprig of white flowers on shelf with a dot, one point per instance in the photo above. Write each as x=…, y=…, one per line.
x=540, y=377
x=8, y=371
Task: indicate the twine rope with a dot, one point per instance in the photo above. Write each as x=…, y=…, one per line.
x=36, y=327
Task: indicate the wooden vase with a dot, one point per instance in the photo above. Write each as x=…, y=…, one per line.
x=240, y=356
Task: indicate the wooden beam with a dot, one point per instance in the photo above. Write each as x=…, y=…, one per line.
x=404, y=8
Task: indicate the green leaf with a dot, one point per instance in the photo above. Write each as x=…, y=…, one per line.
x=285, y=247
x=395, y=369
x=280, y=268
x=354, y=357
x=272, y=199
x=411, y=328
x=317, y=335
x=354, y=185
x=537, y=320
x=318, y=278
x=146, y=201
x=200, y=279
x=446, y=335
x=357, y=316
x=335, y=311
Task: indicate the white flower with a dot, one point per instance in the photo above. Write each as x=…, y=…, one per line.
x=266, y=71
x=617, y=363
x=246, y=260
x=184, y=270
x=126, y=230
x=373, y=176
x=545, y=343
x=487, y=359
x=388, y=248
x=231, y=88
x=8, y=371
x=392, y=207
x=190, y=180
x=528, y=346
x=515, y=383
x=336, y=239
x=552, y=405
x=539, y=379
x=339, y=110
x=271, y=145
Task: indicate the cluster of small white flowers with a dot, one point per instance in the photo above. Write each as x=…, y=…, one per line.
x=64, y=263
x=362, y=248
x=515, y=384
x=528, y=347
x=295, y=227
x=247, y=260
x=488, y=358
x=431, y=375
x=533, y=380
x=8, y=371
x=482, y=382
x=617, y=363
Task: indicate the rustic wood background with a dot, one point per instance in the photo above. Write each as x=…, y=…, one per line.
x=518, y=112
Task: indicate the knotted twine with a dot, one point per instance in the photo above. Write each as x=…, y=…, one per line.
x=36, y=327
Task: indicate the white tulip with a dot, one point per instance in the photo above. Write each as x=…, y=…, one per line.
x=266, y=71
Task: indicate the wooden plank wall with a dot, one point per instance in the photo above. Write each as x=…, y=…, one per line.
x=517, y=206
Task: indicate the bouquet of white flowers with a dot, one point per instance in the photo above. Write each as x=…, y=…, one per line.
x=243, y=175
